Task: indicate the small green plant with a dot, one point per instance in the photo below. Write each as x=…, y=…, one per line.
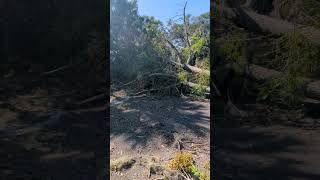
x=200, y=175
x=233, y=48
x=297, y=55
x=203, y=79
x=121, y=163
x=198, y=90
x=182, y=77
x=286, y=89
x=183, y=162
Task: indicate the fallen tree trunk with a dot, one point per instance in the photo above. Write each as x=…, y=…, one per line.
x=91, y=99
x=259, y=73
x=262, y=23
x=191, y=68
x=191, y=84
x=56, y=70
x=276, y=26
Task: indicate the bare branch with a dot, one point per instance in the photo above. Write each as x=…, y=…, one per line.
x=186, y=26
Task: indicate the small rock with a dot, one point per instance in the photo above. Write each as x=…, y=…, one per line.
x=157, y=125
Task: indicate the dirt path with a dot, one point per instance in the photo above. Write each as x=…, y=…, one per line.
x=261, y=149
x=42, y=139
x=146, y=128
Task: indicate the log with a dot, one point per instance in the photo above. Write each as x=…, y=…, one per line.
x=259, y=73
x=190, y=68
x=195, y=69
x=276, y=26
x=262, y=23
x=191, y=84
x=56, y=70
x=94, y=98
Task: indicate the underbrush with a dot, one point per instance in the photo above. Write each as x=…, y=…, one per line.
x=285, y=90
x=296, y=58
x=202, y=82
x=184, y=163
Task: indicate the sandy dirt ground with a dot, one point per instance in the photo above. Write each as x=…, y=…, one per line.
x=272, y=144
x=154, y=129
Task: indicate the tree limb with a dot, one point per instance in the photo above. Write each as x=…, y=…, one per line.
x=262, y=23
x=192, y=69
x=186, y=28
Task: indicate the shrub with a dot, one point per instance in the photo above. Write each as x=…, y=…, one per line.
x=183, y=162
x=286, y=89
x=121, y=163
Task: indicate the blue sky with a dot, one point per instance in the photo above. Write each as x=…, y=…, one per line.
x=163, y=10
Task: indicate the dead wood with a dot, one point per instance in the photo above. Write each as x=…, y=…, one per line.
x=190, y=68
x=56, y=70
x=262, y=23
x=191, y=84
x=263, y=74
x=94, y=98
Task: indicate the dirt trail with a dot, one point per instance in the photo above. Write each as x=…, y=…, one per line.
x=42, y=139
x=145, y=128
x=276, y=144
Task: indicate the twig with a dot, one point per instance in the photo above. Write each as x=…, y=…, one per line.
x=100, y=96
x=56, y=70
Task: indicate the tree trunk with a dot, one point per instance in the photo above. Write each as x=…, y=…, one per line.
x=261, y=23
x=263, y=74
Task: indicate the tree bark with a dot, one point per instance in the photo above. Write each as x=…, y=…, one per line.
x=261, y=23
x=192, y=69
x=191, y=84
x=259, y=73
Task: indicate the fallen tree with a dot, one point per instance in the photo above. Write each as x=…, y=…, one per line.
x=262, y=23
x=260, y=73
x=190, y=68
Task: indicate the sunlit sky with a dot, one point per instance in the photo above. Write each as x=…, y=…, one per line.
x=163, y=10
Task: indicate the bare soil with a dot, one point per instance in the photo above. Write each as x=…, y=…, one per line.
x=271, y=144
x=152, y=129
x=41, y=137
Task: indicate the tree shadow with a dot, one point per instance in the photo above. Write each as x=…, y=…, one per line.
x=52, y=145
x=255, y=153
x=142, y=118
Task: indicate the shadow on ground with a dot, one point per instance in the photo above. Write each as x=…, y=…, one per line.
x=265, y=153
x=142, y=118
x=43, y=141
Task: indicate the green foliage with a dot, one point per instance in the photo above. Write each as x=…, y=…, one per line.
x=185, y=52
x=233, y=48
x=199, y=45
x=199, y=174
x=285, y=89
x=203, y=79
x=296, y=58
x=184, y=163
x=312, y=8
x=181, y=162
x=139, y=45
x=297, y=55
x=198, y=90
x=203, y=63
x=135, y=45
x=182, y=77
x=306, y=12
